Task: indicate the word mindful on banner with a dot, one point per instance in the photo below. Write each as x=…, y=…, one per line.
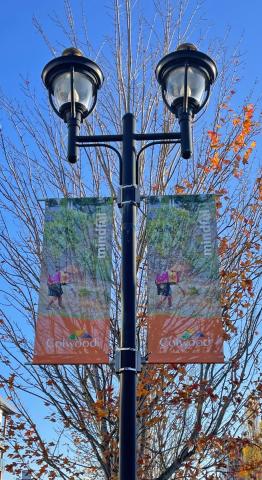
x=204, y=221
x=101, y=220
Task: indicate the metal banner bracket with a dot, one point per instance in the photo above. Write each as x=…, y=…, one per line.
x=128, y=194
x=127, y=359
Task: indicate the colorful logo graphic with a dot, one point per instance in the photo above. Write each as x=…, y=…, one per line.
x=77, y=334
x=190, y=334
x=189, y=339
x=78, y=339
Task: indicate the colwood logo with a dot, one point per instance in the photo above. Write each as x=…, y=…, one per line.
x=188, y=339
x=76, y=339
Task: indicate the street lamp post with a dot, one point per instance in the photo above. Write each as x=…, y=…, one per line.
x=72, y=81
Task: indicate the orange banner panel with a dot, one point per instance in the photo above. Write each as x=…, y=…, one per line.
x=179, y=340
x=71, y=341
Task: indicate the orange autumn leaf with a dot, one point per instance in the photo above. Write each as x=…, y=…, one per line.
x=247, y=284
x=214, y=137
x=236, y=121
x=247, y=124
x=240, y=140
x=141, y=391
x=248, y=152
x=247, y=155
x=188, y=184
x=223, y=246
x=43, y=469
x=237, y=173
x=221, y=191
x=153, y=421
x=102, y=413
x=179, y=189
x=249, y=108
x=215, y=161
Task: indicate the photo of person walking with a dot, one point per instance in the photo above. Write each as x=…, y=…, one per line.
x=55, y=290
x=165, y=292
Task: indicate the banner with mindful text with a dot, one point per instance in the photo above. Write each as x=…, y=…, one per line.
x=184, y=310
x=75, y=284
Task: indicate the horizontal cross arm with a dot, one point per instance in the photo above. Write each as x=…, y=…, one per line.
x=80, y=139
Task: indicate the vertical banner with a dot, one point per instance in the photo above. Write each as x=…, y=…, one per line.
x=184, y=324
x=75, y=283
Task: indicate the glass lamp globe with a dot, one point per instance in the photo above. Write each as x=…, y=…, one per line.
x=72, y=81
x=83, y=90
x=197, y=86
x=185, y=77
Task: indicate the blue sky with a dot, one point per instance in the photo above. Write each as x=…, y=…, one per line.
x=24, y=53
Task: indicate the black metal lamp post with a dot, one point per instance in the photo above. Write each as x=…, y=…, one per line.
x=72, y=80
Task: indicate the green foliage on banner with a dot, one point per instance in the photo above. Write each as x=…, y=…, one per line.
x=69, y=234
x=173, y=232
x=170, y=229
